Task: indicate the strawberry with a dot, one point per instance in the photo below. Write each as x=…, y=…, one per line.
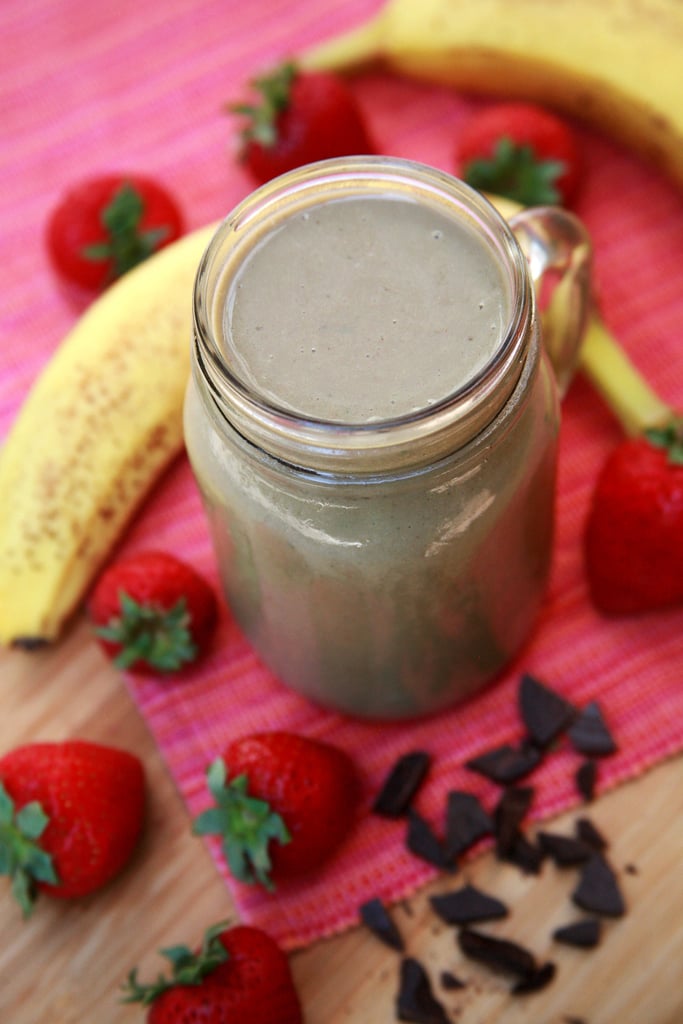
x=105, y=225
x=70, y=816
x=301, y=117
x=239, y=975
x=152, y=612
x=284, y=803
x=634, y=532
x=522, y=151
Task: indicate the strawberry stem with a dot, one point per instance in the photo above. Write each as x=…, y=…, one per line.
x=161, y=638
x=125, y=243
x=21, y=856
x=515, y=171
x=636, y=406
x=274, y=97
x=245, y=824
x=187, y=968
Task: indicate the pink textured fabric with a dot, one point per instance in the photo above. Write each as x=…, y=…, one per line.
x=86, y=88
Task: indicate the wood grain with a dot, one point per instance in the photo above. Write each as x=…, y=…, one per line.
x=66, y=964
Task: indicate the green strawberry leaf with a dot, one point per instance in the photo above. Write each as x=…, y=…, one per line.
x=669, y=437
x=157, y=636
x=245, y=824
x=187, y=968
x=31, y=820
x=21, y=856
x=516, y=172
x=125, y=245
x=275, y=90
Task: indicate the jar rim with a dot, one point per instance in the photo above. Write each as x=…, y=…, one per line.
x=412, y=438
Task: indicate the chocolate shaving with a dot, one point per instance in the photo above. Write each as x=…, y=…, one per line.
x=506, y=764
x=511, y=844
x=423, y=842
x=509, y=814
x=590, y=735
x=598, y=889
x=499, y=954
x=466, y=822
x=544, y=712
x=590, y=835
x=416, y=1001
x=565, y=851
x=540, y=978
x=375, y=916
x=467, y=906
x=523, y=854
x=584, y=934
x=401, y=785
x=586, y=777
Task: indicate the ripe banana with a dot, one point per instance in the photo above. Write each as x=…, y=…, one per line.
x=98, y=427
x=612, y=63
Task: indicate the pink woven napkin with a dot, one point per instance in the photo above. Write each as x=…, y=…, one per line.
x=82, y=91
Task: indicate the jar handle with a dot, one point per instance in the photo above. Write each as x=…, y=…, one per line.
x=559, y=252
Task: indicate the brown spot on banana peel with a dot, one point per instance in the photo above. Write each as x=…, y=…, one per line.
x=30, y=643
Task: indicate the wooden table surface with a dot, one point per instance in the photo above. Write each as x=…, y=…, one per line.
x=65, y=964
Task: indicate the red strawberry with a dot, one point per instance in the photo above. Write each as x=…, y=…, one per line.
x=522, y=151
x=105, y=225
x=284, y=803
x=634, y=534
x=70, y=816
x=153, y=612
x=239, y=976
x=301, y=117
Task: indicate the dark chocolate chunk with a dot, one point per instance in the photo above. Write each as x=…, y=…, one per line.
x=573, y=1020
x=589, y=834
x=586, y=777
x=423, y=842
x=509, y=814
x=467, y=906
x=598, y=889
x=523, y=854
x=544, y=712
x=584, y=934
x=416, y=1001
x=451, y=981
x=401, y=785
x=376, y=917
x=540, y=978
x=499, y=954
x=506, y=764
x=466, y=822
x=589, y=733
x=511, y=843
x=566, y=851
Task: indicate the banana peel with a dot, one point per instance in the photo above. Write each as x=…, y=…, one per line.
x=101, y=423
x=613, y=64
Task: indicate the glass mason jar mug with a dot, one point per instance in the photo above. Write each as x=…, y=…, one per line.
x=372, y=424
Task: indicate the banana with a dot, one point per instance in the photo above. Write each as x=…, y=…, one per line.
x=98, y=427
x=615, y=64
